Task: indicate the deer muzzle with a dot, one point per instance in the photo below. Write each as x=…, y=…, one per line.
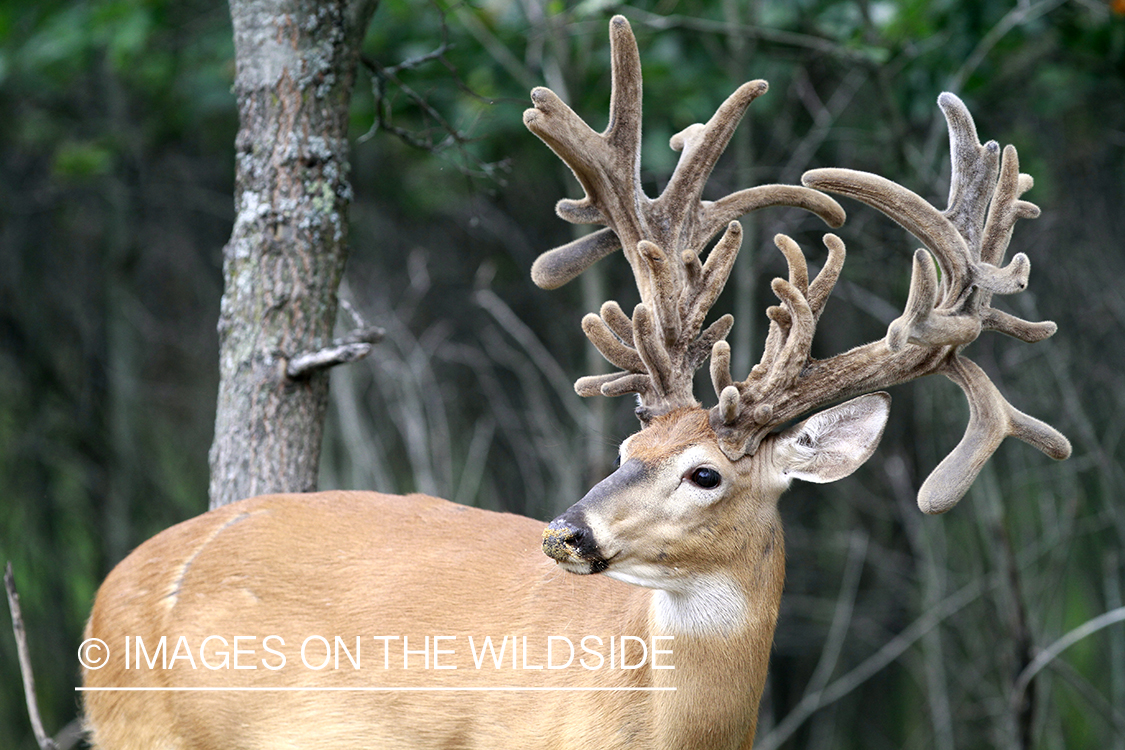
x=569, y=539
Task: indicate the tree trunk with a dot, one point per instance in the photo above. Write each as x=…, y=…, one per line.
x=295, y=69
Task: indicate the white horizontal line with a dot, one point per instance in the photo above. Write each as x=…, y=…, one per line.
x=372, y=689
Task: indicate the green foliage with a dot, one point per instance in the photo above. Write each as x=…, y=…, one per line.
x=110, y=239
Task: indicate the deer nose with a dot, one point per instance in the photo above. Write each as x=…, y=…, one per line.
x=565, y=540
x=561, y=539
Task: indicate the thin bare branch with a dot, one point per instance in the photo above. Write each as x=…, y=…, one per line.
x=24, y=654
x=752, y=31
x=1021, y=13
x=886, y=655
x=446, y=136
x=1049, y=654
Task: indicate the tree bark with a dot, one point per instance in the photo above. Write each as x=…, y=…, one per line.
x=295, y=69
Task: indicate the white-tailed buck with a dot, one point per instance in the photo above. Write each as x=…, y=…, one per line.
x=360, y=620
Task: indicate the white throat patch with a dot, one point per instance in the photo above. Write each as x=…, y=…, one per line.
x=709, y=605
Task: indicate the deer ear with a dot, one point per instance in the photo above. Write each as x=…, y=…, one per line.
x=833, y=443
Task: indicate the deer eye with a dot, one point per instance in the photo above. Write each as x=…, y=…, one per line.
x=706, y=477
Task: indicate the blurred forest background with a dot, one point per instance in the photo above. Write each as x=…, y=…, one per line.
x=897, y=630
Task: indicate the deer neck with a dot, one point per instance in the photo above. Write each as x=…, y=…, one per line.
x=722, y=627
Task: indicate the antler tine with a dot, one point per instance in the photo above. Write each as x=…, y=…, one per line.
x=991, y=419
x=748, y=410
x=973, y=174
x=1006, y=208
x=606, y=165
x=661, y=345
x=659, y=359
x=700, y=146
x=555, y=267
